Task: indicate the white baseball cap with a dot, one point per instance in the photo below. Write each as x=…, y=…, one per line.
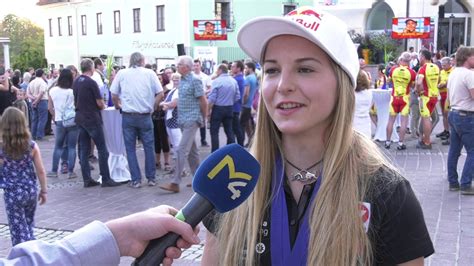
x=323, y=29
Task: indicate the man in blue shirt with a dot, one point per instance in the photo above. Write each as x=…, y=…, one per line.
x=237, y=69
x=192, y=109
x=251, y=87
x=224, y=94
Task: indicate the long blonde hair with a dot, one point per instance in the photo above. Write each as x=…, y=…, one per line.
x=337, y=235
x=15, y=133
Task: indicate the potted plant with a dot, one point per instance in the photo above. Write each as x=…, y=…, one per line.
x=362, y=43
x=386, y=47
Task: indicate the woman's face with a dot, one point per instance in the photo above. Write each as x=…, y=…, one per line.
x=411, y=26
x=299, y=85
x=20, y=95
x=176, y=82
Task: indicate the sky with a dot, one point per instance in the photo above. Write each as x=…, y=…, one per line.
x=21, y=8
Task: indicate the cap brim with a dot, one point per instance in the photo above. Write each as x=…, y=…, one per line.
x=255, y=34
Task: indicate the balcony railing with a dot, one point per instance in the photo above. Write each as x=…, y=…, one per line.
x=48, y=2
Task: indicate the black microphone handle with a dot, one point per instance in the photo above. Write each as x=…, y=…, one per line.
x=194, y=211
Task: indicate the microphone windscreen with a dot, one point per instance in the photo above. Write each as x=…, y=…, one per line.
x=227, y=177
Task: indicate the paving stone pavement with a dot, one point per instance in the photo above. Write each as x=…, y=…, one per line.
x=448, y=215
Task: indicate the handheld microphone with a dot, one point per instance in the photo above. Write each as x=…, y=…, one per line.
x=222, y=182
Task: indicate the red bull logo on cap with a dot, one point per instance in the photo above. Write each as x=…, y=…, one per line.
x=305, y=17
x=305, y=12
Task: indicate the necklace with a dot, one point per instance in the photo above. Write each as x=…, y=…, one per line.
x=304, y=175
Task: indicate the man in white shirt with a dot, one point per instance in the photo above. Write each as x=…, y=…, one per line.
x=98, y=75
x=138, y=92
x=206, y=85
x=52, y=81
x=38, y=95
x=461, y=119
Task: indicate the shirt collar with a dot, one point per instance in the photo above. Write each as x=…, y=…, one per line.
x=187, y=76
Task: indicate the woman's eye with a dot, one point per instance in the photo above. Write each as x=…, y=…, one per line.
x=305, y=70
x=271, y=71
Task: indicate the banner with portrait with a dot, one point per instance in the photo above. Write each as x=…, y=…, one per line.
x=208, y=57
x=411, y=28
x=210, y=30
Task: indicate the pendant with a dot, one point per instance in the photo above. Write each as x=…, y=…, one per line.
x=260, y=248
x=298, y=176
x=310, y=176
x=305, y=177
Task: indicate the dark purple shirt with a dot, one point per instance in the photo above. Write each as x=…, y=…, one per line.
x=86, y=92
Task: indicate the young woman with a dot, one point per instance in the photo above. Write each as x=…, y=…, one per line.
x=21, y=161
x=60, y=97
x=325, y=195
x=170, y=106
x=159, y=130
x=363, y=103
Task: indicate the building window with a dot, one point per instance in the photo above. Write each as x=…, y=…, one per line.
x=99, y=23
x=59, y=27
x=84, y=24
x=69, y=25
x=160, y=18
x=118, y=60
x=288, y=7
x=117, y=21
x=136, y=20
x=223, y=11
x=50, y=27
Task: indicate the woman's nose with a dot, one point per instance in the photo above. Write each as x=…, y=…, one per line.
x=286, y=83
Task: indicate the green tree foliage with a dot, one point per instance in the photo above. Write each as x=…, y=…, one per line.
x=26, y=42
x=383, y=42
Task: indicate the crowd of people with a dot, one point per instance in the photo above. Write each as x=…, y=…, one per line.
x=315, y=168
x=148, y=101
x=46, y=96
x=418, y=82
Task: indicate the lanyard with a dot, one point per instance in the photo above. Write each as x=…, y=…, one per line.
x=281, y=252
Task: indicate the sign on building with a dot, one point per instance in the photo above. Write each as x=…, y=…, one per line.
x=411, y=28
x=208, y=57
x=210, y=30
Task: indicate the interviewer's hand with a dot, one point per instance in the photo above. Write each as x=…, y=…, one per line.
x=133, y=232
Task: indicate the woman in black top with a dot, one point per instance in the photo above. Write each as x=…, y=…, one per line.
x=7, y=91
x=326, y=195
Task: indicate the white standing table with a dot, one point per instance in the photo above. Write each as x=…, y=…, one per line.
x=381, y=100
x=118, y=165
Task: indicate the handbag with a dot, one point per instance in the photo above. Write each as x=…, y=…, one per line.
x=173, y=121
x=69, y=114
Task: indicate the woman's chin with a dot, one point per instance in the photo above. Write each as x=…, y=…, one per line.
x=290, y=128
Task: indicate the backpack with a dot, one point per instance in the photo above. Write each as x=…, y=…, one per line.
x=68, y=116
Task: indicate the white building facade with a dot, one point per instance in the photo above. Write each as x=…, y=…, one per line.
x=75, y=29
x=114, y=28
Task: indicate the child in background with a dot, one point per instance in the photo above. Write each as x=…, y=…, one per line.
x=20, y=157
x=381, y=82
x=21, y=104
